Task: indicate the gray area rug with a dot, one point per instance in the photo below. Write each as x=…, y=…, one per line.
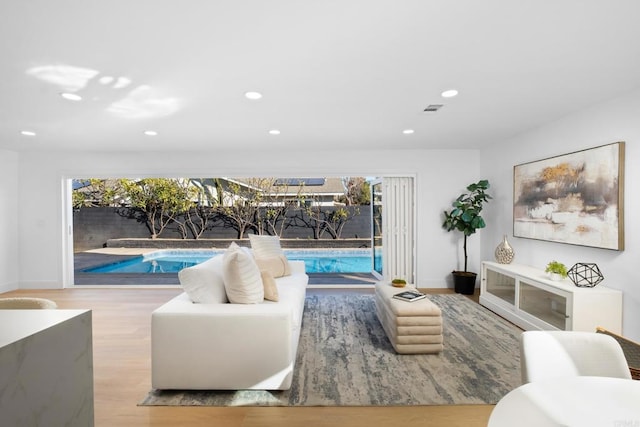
x=345, y=359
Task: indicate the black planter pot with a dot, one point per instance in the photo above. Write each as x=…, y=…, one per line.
x=464, y=282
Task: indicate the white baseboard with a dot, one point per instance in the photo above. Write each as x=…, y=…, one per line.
x=434, y=284
x=41, y=285
x=7, y=287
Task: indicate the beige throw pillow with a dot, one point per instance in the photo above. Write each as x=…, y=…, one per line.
x=269, y=254
x=277, y=266
x=242, y=280
x=270, y=287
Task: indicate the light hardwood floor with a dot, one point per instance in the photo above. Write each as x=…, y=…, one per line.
x=121, y=351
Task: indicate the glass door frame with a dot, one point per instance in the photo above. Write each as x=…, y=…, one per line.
x=376, y=267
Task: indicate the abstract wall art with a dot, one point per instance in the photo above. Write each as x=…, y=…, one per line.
x=575, y=198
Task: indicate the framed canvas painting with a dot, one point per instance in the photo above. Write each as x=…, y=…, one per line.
x=575, y=198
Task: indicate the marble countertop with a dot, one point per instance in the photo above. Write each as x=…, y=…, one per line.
x=18, y=324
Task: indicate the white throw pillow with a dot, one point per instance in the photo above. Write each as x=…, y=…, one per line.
x=269, y=254
x=241, y=275
x=203, y=282
x=265, y=247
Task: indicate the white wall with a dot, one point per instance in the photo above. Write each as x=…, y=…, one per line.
x=616, y=120
x=41, y=174
x=8, y=221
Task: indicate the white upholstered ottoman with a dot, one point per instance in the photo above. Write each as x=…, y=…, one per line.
x=412, y=327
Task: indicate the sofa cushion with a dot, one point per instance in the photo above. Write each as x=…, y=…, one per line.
x=292, y=291
x=269, y=254
x=270, y=287
x=242, y=280
x=203, y=283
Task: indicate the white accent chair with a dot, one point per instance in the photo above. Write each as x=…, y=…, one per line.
x=553, y=354
x=570, y=378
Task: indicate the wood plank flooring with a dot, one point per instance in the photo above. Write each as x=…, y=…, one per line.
x=121, y=350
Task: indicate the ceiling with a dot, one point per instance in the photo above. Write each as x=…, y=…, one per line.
x=333, y=74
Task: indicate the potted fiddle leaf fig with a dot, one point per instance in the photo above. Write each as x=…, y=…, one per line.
x=465, y=217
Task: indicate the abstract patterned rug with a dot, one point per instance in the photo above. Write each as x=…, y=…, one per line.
x=345, y=359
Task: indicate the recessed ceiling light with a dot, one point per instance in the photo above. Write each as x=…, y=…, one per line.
x=274, y=132
x=150, y=132
x=71, y=96
x=408, y=131
x=28, y=133
x=253, y=95
x=449, y=93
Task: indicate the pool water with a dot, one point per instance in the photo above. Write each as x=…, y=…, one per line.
x=172, y=261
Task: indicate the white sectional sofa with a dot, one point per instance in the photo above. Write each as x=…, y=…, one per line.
x=218, y=345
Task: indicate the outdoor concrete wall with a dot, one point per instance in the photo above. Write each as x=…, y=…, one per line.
x=616, y=120
x=92, y=227
x=8, y=220
x=440, y=176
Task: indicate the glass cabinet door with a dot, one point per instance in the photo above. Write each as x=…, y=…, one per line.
x=545, y=305
x=500, y=285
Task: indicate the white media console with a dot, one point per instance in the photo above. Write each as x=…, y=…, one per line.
x=525, y=296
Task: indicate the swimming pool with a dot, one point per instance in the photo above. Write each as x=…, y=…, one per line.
x=172, y=261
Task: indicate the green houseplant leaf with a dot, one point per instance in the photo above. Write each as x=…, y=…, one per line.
x=465, y=215
x=557, y=268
